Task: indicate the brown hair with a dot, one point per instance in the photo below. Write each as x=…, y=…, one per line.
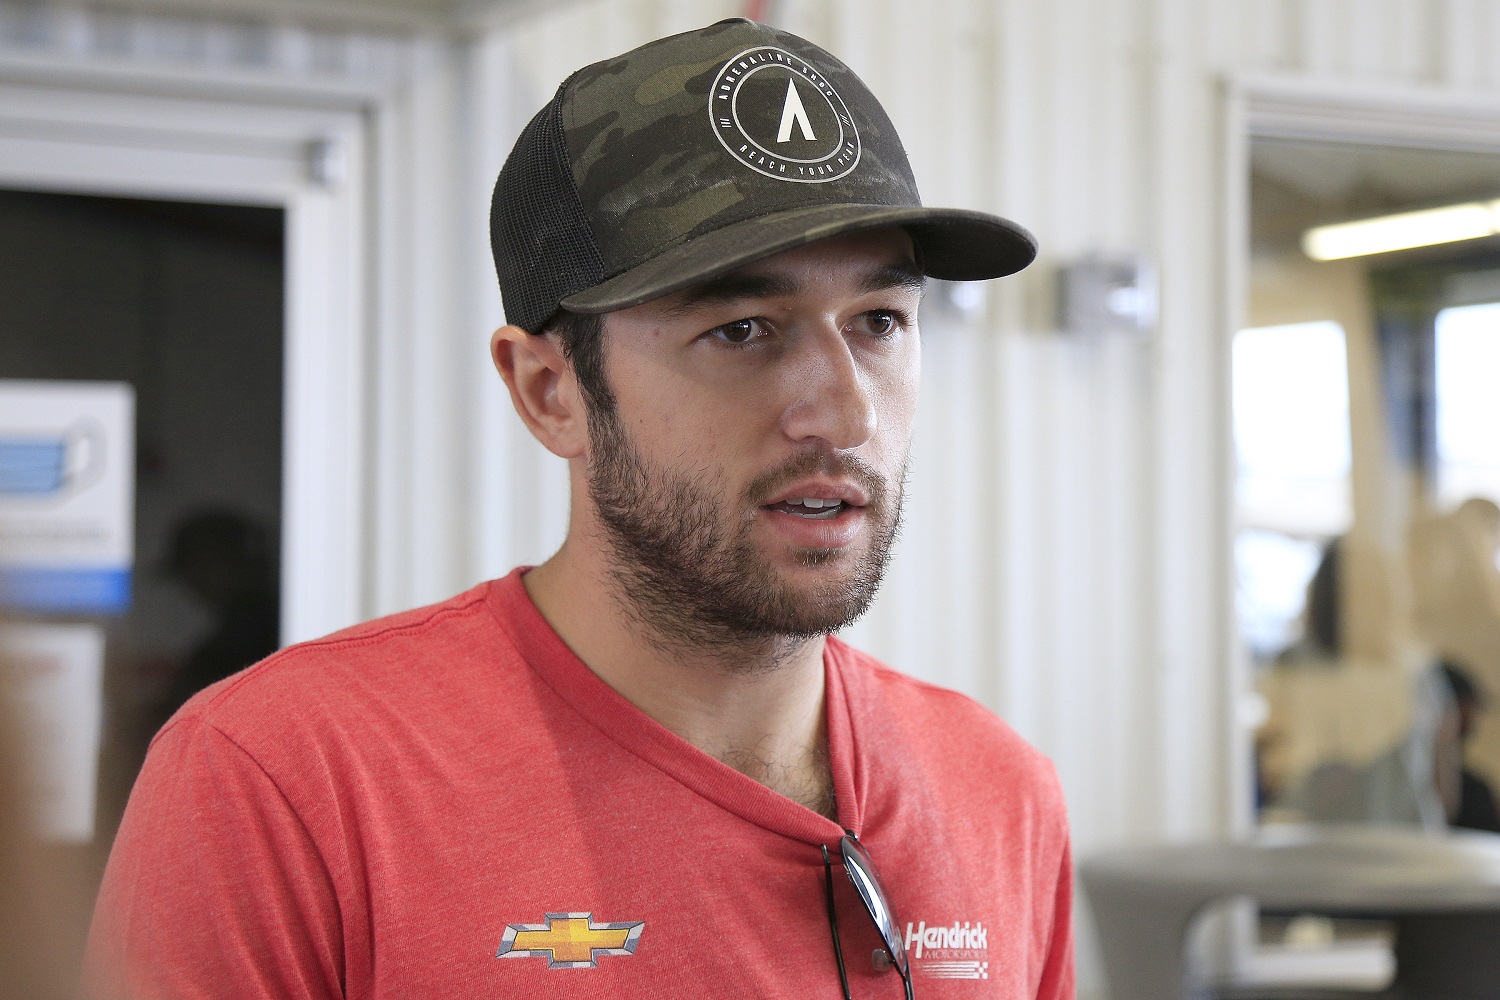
x=582, y=339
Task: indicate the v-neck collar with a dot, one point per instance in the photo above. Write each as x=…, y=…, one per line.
x=625, y=724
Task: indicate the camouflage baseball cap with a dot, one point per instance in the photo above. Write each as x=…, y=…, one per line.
x=698, y=153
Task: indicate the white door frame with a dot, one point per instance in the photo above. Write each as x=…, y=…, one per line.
x=80, y=127
x=1267, y=106
x=1370, y=114
x=1373, y=114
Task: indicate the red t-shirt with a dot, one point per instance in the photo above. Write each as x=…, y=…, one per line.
x=449, y=803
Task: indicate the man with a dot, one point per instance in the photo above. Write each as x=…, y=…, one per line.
x=643, y=768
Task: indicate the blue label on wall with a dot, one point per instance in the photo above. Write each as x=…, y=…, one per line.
x=76, y=590
x=35, y=467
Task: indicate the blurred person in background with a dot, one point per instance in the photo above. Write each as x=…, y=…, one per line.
x=1456, y=586
x=1322, y=617
x=1350, y=738
x=1476, y=802
x=225, y=560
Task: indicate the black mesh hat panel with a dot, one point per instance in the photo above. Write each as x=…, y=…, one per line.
x=544, y=249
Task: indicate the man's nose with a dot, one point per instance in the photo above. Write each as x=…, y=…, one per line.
x=833, y=398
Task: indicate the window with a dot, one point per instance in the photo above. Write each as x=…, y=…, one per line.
x=1468, y=403
x=1291, y=434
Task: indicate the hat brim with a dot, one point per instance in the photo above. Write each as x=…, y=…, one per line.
x=952, y=244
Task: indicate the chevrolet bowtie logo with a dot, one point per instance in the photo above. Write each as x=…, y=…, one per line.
x=570, y=940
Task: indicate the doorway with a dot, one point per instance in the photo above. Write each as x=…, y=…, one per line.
x=230, y=219
x=1366, y=474
x=1364, y=449
x=183, y=303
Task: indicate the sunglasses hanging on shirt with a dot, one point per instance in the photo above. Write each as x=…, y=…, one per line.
x=861, y=871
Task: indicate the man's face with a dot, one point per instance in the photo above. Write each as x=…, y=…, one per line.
x=749, y=478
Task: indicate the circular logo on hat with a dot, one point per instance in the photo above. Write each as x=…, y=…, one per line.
x=782, y=118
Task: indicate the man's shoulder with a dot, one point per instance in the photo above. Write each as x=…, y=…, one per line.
x=962, y=736
x=910, y=698
x=402, y=653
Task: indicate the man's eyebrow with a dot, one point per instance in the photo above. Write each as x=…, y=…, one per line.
x=903, y=275
x=736, y=286
x=733, y=287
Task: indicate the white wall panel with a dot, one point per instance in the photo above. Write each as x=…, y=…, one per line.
x=1325, y=35
x=1486, y=41
x=1368, y=42
x=1458, y=58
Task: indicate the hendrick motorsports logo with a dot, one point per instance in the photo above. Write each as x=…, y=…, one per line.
x=957, y=951
x=780, y=117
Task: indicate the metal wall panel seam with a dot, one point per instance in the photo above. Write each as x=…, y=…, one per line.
x=1018, y=124
x=1321, y=25
x=1367, y=38
x=496, y=115
x=1489, y=46
x=1175, y=166
x=1024, y=655
x=436, y=348
x=390, y=459
x=953, y=94
x=992, y=463
x=1109, y=165
x=1416, y=33
x=1461, y=36
x=1116, y=176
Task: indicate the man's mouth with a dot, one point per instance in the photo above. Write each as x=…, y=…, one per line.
x=812, y=508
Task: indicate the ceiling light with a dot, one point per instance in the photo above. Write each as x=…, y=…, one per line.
x=1470, y=221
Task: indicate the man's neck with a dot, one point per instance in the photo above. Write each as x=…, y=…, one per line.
x=759, y=710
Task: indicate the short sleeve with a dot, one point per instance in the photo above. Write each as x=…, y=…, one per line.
x=1058, y=980
x=214, y=887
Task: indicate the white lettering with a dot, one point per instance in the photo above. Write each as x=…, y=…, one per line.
x=963, y=935
x=914, y=937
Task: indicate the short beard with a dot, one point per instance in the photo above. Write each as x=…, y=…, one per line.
x=697, y=583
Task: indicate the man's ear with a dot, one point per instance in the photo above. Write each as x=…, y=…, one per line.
x=542, y=388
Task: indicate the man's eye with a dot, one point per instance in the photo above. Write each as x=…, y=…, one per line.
x=882, y=322
x=741, y=331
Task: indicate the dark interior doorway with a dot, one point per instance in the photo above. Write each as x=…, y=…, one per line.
x=184, y=302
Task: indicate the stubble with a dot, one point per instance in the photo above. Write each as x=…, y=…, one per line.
x=696, y=580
